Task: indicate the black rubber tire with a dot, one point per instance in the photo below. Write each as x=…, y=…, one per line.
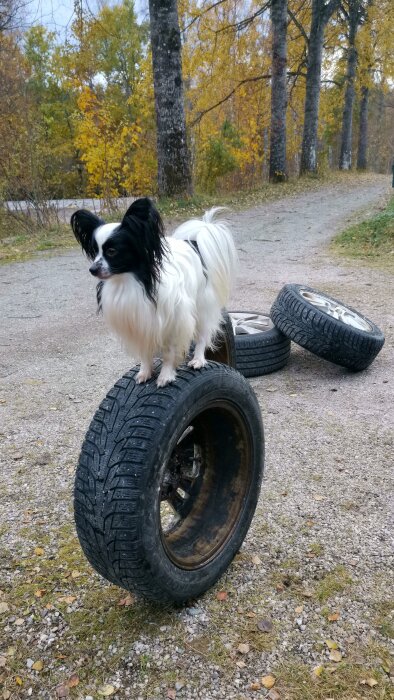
x=130, y=443
x=261, y=353
x=224, y=345
x=325, y=336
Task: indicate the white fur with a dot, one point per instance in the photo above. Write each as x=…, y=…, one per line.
x=189, y=302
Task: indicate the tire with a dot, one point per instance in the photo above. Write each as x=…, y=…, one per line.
x=258, y=353
x=194, y=448
x=326, y=326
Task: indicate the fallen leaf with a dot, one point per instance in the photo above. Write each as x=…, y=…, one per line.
x=38, y=666
x=73, y=681
x=106, y=690
x=265, y=626
x=335, y=655
x=222, y=595
x=317, y=671
x=331, y=644
x=268, y=681
x=369, y=681
x=333, y=617
x=255, y=686
x=69, y=599
x=4, y=607
x=299, y=609
x=62, y=691
x=243, y=648
x=40, y=592
x=18, y=680
x=256, y=560
x=39, y=551
x=273, y=695
x=127, y=601
x=250, y=614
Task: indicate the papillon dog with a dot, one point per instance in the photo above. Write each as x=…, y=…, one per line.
x=159, y=294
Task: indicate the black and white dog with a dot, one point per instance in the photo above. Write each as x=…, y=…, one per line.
x=159, y=294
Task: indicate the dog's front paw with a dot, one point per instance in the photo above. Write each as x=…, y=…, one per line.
x=166, y=376
x=143, y=376
x=197, y=363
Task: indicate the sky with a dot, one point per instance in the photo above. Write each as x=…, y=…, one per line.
x=57, y=15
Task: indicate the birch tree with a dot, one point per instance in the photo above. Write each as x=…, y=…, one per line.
x=321, y=13
x=174, y=169
x=277, y=168
x=354, y=12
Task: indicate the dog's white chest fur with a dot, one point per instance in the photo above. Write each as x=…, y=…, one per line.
x=146, y=329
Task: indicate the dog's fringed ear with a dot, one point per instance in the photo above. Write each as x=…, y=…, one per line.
x=83, y=224
x=144, y=210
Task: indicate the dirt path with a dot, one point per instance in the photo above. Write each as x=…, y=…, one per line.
x=320, y=543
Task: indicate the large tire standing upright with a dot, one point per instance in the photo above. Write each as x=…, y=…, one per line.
x=168, y=481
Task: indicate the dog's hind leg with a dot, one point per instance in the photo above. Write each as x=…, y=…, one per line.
x=198, y=359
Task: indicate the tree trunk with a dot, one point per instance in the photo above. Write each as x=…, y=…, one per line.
x=321, y=13
x=345, y=158
x=277, y=168
x=363, y=130
x=174, y=170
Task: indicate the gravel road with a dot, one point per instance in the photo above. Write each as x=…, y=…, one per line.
x=321, y=541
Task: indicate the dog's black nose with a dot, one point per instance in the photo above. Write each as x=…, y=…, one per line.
x=94, y=269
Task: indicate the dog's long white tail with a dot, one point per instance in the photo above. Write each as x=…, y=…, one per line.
x=216, y=247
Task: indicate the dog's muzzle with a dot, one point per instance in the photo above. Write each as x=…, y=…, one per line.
x=97, y=270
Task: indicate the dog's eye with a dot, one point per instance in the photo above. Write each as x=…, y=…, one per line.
x=110, y=252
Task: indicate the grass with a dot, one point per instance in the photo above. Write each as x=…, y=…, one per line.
x=342, y=681
x=334, y=582
x=371, y=240
x=19, y=241
x=97, y=632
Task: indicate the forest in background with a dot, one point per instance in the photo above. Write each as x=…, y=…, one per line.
x=77, y=117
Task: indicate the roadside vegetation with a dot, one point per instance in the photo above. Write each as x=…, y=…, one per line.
x=21, y=237
x=371, y=240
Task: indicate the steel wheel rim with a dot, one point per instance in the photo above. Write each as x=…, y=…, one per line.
x=336, y=310
x=247, y=323
x=189, y=545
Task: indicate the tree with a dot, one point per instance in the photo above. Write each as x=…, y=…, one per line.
x=277, y=167
x=363, y=130
x=174, y=167
x=321, y=13
x=354, y=12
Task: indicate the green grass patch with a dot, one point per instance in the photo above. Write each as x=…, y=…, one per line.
x=335, y=581
x=348, y=680
x=371, y=240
